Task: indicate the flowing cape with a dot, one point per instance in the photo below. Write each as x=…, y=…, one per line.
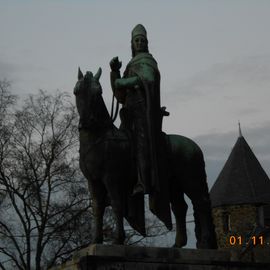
x=145, y=67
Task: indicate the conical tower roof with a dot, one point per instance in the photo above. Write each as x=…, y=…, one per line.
x=242, y=179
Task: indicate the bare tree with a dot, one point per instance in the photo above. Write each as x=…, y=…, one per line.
x=7, y=100
x=45, y=210
x=44, y=196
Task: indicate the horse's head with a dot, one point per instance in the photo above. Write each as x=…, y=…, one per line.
x=87, y=91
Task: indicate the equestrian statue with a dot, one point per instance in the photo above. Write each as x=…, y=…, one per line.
x=123, y=164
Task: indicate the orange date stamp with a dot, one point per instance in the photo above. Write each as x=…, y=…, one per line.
x=244, y=241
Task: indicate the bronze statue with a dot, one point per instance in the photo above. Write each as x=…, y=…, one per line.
x=115, y=161
x=106, y=160
x=139, y=92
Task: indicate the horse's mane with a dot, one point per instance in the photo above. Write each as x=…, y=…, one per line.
x=103, y=116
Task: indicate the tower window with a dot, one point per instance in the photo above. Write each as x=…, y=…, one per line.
x=226, y=221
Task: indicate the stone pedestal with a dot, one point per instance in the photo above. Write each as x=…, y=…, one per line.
x=114, y=257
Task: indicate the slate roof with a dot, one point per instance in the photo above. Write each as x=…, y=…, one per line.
x=242, y=179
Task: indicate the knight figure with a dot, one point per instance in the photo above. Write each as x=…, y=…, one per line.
x=139, y=93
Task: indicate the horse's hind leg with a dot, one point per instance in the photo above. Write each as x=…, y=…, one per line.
x=197, y=190
x=99, y=204
x=204, y=228
x=179, y=208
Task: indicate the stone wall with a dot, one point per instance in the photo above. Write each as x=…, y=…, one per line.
x=240, y=219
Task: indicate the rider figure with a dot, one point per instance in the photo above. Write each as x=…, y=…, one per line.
x=139, y=93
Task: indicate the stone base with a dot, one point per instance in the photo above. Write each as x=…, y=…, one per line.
x=116, y=257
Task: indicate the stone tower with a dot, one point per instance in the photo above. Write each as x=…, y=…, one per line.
x=240, y=197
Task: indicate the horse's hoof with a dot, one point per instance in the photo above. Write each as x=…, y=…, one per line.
x=97, y=240
x=118, y=242
x=177, y=246
x=203, y=245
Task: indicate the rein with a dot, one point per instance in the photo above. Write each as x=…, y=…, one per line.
x=113, y=117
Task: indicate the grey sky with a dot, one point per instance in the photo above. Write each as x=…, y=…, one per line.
x=214, y=59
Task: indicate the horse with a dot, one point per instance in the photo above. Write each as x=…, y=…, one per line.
x=106, y=162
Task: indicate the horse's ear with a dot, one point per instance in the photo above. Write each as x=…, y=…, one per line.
x=98, y=74
x=80, y=74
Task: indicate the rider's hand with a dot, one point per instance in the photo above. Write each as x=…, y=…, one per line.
x=117, y=84
x=115, y=64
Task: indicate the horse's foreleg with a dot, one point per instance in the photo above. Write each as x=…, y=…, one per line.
x=98, y=193
x=179, y=208
x=119, y=237
x=98, y=211
x=116, y=195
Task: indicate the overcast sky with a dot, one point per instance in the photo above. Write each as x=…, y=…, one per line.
x=214, y=59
